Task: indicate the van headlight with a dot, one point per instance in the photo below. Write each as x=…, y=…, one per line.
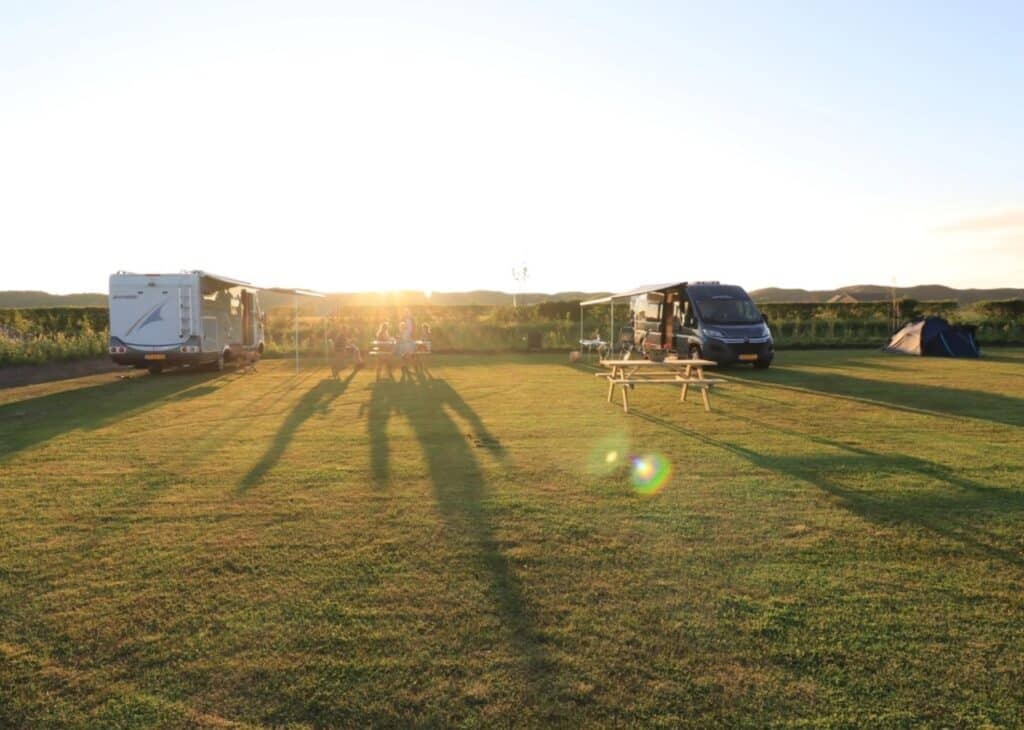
x=765, y=332
x=707, y=332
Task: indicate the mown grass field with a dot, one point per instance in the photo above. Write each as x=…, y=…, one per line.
x=840, y=543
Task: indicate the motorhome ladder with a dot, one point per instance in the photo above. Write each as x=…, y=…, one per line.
x=185, y=307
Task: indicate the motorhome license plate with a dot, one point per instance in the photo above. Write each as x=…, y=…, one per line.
x=156, y=356
x=748, y=357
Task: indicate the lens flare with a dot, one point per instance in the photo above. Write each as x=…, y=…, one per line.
x=651, y=472
x=608, y=454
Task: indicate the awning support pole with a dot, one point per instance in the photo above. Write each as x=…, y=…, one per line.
x=296, y=298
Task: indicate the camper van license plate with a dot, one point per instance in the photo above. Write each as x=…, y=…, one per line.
x=748, y=356
x=156, y=356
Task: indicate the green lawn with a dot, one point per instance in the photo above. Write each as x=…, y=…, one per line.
x=840, y=543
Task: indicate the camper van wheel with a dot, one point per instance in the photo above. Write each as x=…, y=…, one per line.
x=156, y=369
x=695, y=352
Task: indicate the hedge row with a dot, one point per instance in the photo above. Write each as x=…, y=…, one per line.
x=51, y=320
x=54, y=320
x=66, y=333
x=37, y=349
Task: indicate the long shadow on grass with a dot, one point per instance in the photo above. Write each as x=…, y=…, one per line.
x=25, y=423
x=956, y=513
x=115, y=511
x=316, y=400
x=933, y=400
x=429, y=406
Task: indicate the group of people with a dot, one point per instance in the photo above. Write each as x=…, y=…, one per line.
x=385, y=348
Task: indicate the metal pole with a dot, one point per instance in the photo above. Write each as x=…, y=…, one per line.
x=581, y=324
x=296, y=297
x=611, y=323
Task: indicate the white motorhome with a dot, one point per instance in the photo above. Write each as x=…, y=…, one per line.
x=193, y=318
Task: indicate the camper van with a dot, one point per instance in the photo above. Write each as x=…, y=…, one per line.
x=189, y=319
x=705, y=319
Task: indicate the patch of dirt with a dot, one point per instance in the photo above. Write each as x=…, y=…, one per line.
x=29, y=374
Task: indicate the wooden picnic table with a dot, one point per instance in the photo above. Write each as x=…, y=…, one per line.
x=384, y=353
x=630, y=373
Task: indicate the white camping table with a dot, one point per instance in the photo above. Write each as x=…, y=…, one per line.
x=593, y=344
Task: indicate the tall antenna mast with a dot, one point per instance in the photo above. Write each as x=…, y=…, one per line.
x=519, y=275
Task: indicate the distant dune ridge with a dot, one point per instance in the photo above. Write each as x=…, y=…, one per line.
x=862, y=293
x=874, y=293
x=25, y=299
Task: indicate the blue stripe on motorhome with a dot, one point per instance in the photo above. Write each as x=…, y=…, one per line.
x=148, y=316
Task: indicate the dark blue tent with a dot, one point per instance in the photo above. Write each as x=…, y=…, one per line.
x=934, y=336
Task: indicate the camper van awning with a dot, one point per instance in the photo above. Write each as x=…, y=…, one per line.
x=632, y=293
x=296, y=292
x=223, y=282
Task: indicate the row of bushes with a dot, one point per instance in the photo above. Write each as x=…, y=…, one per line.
x=41, y=335
x=50, y=320
x=793, y=334
x=58, y=347
x=565, y=335
x=53, y=320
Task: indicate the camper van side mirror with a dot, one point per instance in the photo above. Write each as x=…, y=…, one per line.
x=764, y=318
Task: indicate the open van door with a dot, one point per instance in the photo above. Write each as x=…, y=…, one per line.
x=248, y=319
x=647, y=310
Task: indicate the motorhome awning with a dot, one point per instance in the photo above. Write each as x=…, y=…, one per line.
x=296, y=292
x=225, y=282
x=610, y=299
x=214, y=282
x=632, y=292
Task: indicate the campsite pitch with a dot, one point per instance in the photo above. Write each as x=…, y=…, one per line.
x=838, y=544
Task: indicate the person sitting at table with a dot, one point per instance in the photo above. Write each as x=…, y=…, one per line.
x=406, y=345
x=384, y=347
x=424, y=342
x=421, y=348
x=344, y=349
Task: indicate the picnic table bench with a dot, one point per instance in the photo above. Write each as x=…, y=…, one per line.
x=384, y=353
x=629, y=373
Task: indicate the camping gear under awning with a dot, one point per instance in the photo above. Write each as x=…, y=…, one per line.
x=610, y=299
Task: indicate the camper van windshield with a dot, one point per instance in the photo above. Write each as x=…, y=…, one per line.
x=727, y=310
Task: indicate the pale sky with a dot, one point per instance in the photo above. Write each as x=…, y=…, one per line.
x=435, y=146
